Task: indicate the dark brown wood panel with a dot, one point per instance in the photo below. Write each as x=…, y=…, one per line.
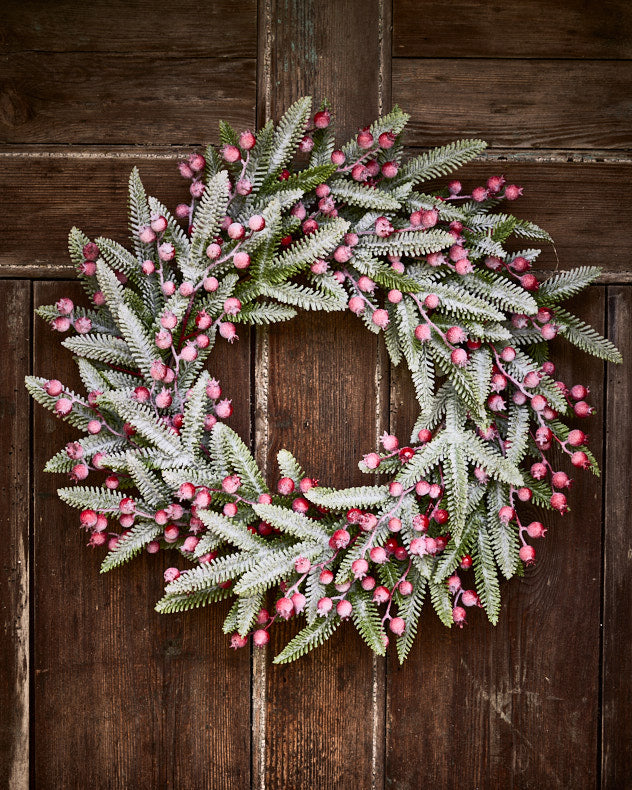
x=326, y=50
x=126, y=697
x=323, y=715
x=321, y=406
x=617, y=601
x=49, y=193
x=517, y=103
x=573, y=202
x=122, y=98
x=513, y=706
x=227, y=30
x=15, y=309
x=528, y=29
x=46, y=194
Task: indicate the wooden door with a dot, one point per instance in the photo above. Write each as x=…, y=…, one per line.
x=100, y=691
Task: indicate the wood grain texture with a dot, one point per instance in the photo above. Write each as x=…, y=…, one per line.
x=617, y=591
x=321, y=719
x=513, y=706
x=220, y=29
x=47, y=193
x=122, y=98
x=529, y=29
x=321, y=406
x=571, y=201
x=125, y=697
x=517, y=103
x=319, y=49
x=15, y=309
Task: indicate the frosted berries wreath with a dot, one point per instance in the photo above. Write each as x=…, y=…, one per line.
x=284, y=220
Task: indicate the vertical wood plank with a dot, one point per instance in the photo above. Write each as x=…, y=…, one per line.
x=513, y=706
x=321, y=398
x=15, y=310
x=126, y=697
x=617, y=591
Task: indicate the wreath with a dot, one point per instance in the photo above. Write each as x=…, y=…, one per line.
x=284, y=220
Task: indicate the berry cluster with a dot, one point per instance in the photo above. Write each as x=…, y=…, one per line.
x=280, y=220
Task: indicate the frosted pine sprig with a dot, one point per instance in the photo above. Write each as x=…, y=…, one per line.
x=279, y=221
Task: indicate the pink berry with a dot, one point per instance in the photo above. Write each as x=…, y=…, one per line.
x=395, y=489
x=579, y=392
x=365, y=139
x=236, y=230
x=423, y=332
x=357, y=305
x=63, y=406
x=536, y=530
x=389, y=169
x=285, y=486
x=171, y=574
x=338, y=157
x=231, y=484
x=324, y=606
x=302, y=565
x=527, y=554
x=53, y=387
x=232, y=306
x=171, y=533
x=397, y=625
x=298, y=602
x=558, y=502
x=326, y=577
x=224, y=409
x=582, y=409
x=459, y=615
x=381, y=594
x=470, y=598
x=344, y=609
x=529, y=282
x=247, y=140
x=166, y=251
x=322, y=119
x=228, y=331
x=340, y=539
x=459, y=357
x=560, y=480
x=359, y=568
x=378, y=555
x=237, y=641
x=231, y=153
x=256, y=223
x=580, y=460
x=284, y=608
x=512, y=192
x=389, y=442
x=454, y=583
x=380, y=318
x=260, y=637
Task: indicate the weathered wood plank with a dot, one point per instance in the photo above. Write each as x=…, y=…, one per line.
x=113, y=98
x=326, y=51
x=617, y=660
x=15, y=302
x=137, y=699
x=321, y=406
x=219, y=29
x=517, y=103
x=514, y=706
x=529, y=29
x=45, y=194
x=319, y=397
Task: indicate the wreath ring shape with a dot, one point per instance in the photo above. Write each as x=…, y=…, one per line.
x=284, y=220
